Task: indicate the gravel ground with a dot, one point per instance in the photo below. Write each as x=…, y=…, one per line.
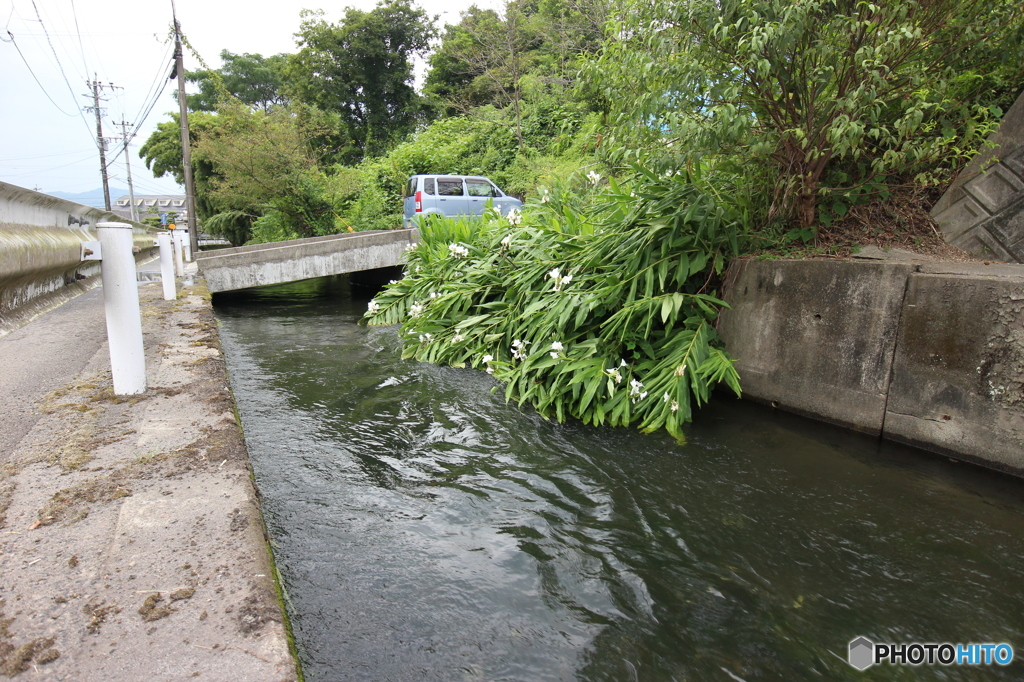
x=131, y=541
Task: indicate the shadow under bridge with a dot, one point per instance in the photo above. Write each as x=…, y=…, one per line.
x=289, y=261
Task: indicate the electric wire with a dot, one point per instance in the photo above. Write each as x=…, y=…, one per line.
x=36, y=78
x=59, y=65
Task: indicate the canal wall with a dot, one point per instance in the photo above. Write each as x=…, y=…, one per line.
x=42, y=260
x=926, y=353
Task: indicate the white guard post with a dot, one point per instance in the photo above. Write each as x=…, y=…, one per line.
x=121, y=301
x=186, y=244
x=163, y=239
x=179, y=266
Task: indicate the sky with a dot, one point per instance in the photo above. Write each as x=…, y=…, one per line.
x=49, y=49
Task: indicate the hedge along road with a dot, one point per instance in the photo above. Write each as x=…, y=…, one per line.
x=427, y=530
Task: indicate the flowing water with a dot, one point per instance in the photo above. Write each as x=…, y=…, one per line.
x=425, y=530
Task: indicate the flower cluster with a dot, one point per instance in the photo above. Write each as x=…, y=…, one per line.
x=411, y=246
x=457, y=251
x=514, y=217
x=426, y=338
x=487, y=360
x=680, y=370
x=519, y=349
x=594, y=177
x=675, y=403
x=545, y=196
x=416, y=309
x=556, y=348
x=558, y=278
x=458, y=338
x=615, y=373
x=372, y=308
x=506, y=242
x=636, y=390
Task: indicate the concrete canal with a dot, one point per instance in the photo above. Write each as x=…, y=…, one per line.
x=425, y=530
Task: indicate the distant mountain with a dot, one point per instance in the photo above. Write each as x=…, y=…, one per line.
x=93, y=197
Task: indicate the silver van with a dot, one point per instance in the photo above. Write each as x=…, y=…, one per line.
x=453, y=195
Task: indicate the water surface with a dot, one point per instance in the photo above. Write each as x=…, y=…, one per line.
x=425, y=530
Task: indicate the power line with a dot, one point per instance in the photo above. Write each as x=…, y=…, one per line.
x=36, y=78
x=59, y=65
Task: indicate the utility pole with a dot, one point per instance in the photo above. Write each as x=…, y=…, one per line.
x=128, y=166
x=186, y=151
x=100, y=142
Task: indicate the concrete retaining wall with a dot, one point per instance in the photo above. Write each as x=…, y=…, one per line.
x=930, y=354
x=982, y=212
x=41, y=262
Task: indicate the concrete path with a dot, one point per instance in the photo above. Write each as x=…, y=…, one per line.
x=131, y=541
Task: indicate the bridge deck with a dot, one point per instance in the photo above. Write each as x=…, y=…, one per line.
x=289, y=261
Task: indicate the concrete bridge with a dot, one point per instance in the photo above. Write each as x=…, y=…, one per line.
x=289, y=261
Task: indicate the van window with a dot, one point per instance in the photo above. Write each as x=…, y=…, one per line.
x=412, y=187
x=480, y=188
x=429, y=186
x=449, y=188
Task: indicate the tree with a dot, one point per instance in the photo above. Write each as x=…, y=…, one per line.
x=262, y=161
x=827, y=96
x=362, y=69
x=253, y=79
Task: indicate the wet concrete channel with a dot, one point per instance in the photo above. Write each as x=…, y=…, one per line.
x=424, y=529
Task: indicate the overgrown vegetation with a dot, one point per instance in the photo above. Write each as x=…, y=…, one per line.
x=722, y=126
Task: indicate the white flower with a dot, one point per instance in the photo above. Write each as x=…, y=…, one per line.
x=434, y=294
x=514, y=217
x=558, y=278
x=680, y=370
x=457, y=251
x=506, y=242
x=614, y=374
x=426, y=338
x=487, y=358
x=519, y=349
x=665, y=397
x=412, y=246
x=416, y=309
x=636, y=390
x=372, y=307
x=554, y=355
x=458, y=338
x=594, y=177
x=622, y=363
x=674, y=406
x=490, y=370
x=557, y=345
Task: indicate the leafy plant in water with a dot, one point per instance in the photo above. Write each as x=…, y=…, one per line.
x=602, y=315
